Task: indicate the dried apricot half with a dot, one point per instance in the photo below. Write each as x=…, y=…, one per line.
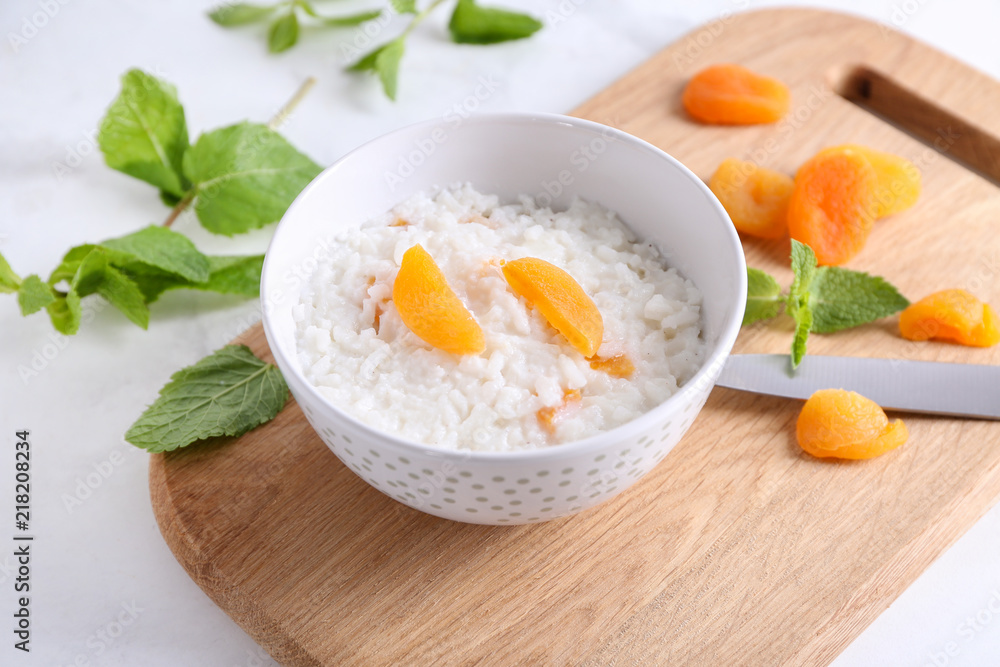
x=755, y=198
x=733, y=95
x=951, y=315
x=833, y=205
x=898, y=179
x=835, y=423
x=430, y=308
x=560, y=300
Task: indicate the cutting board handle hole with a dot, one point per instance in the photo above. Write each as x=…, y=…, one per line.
x=933, y=125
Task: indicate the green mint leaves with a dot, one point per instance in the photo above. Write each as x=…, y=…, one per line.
x=384, y=62
x=227, y=393
x=473, y=24
x=470, y=23
x=283, y=31
x=144, y=133
x=10, y=282
x=764, y=298
x=404, y=6
x=245, y=177
x=842, y=299
x=131, y=272
x=33, y=295
x=163, y=249
x=821, y=299
x=241, y=13
x=239, y=178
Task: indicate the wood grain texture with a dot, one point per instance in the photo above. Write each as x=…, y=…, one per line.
x=738, y=548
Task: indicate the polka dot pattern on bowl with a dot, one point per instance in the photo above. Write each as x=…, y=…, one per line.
x=455, y=486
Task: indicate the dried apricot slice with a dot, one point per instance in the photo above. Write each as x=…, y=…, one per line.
x=560, y=300
x=951, y=315
x=835, y=423
x=754, y=197
x=549, y=417
x=733, y=95
x=430, y=308
x=618, y=366
x=898, y=179
x=833, y=205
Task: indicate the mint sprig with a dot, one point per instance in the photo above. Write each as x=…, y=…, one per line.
x=228, y=393
x=821, y=299
x=470, y=23
x=238, y=178
x=131, y=272
x=283, y=31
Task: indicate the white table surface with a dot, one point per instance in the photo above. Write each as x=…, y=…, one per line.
x=105, y=588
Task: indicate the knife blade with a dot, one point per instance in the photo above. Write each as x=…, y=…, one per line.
x=958, y=390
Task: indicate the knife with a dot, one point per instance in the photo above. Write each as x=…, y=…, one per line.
x=937, y=388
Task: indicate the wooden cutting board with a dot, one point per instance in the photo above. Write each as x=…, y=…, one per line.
x=738, y=548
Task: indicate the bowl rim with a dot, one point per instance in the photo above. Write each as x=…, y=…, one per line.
x=704, y=375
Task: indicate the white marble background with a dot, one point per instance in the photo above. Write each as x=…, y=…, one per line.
x=97, y=558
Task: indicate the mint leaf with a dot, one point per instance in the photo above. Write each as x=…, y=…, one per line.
x=164, y=249
x=246, y=176
x=404, y=6
x=797, y=304
x=238, y=275
x=124, y=295
x=90, y=273
x=240, y=13
x=384, y=61
x=34, y=295
x=841, y=299
x=144, y=133
x=284, y=33
x=764, y=298
x=70, y=264
x=227, y=393
x=351, y=19
x=306, y=7
x=473, y=24
x=821, y=299
x=89, y=269
x=9, y=281
x=152, y=282
x=804, y=268
x=803, y=323
x=234, y=275
x=65, y=313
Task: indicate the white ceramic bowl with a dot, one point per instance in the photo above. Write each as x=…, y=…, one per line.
x=554, y=158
